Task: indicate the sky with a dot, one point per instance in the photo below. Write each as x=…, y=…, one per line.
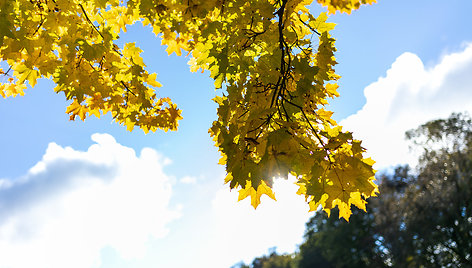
x=91, y=194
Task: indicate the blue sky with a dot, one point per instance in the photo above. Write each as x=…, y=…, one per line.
x=70, y=197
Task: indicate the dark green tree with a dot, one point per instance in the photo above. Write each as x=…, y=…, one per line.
x=425, y=219
x=272, y=260
x=330, y=242
x=439, y=213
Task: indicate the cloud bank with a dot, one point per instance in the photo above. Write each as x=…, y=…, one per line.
x=245, y=232
x=73, y=204
x=409, y=95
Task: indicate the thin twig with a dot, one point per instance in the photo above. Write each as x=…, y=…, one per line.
x=91, y=23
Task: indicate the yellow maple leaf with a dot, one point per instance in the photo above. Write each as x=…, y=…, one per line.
x=255, y=194
x=75, y=109
x=151, y=80
x=331, y=89
x=9, y=89
x=172, y=46
x=133, y=52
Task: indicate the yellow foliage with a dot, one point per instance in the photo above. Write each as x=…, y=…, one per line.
x=277, y=80
x=344, y=5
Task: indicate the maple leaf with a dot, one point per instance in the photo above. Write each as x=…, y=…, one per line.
x=255, y=194
x=172, y=46
x=132, y=52
x=151, y=80
x=75, y=109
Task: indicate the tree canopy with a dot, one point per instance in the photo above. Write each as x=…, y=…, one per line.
x=423, y=217
x=273, y=58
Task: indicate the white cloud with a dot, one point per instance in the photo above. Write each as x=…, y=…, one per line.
x=188, y=180
x=243, y=233
x=72, y=204
x=408, y=96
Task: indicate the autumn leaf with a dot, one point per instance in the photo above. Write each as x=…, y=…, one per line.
x=255, y=195
x=75, y=109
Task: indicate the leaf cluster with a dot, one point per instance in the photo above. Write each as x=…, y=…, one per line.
x=273, y=58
